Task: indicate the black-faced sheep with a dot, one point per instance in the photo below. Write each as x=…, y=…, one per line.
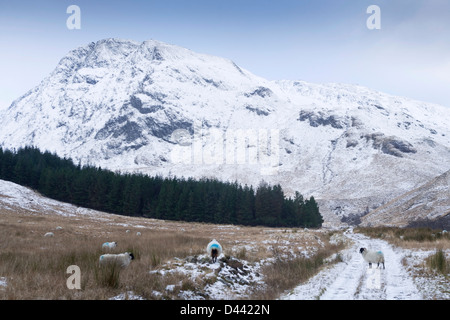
x=121, y=259
x=372, y=257
x=214, y=249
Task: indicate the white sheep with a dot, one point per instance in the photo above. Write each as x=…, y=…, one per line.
x=49, y=234
x=121, y=259
x=109, y=245
x=214, y=249
x=372, y=256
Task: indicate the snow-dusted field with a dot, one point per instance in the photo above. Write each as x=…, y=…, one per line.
x=233, y=276
x=403, y=279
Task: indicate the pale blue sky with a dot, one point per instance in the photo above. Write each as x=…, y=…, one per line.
x=310, y=40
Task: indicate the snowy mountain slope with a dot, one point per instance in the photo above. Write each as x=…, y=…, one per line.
x=163, y=109
x=429, y=201
x=349, y=279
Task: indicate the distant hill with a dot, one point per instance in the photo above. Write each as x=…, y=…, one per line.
x=428, y=204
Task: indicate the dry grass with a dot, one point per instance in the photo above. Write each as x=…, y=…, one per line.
x=35, y=266
x=439, y=262
x=410, y=238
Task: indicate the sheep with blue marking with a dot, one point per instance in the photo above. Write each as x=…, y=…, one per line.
x=214, y=249
x=121, y=259
x=371, y=256
x=109, y=245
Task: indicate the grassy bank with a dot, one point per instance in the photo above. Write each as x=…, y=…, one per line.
x=425, y=238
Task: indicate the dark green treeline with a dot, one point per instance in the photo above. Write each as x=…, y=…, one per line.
x=205, y=200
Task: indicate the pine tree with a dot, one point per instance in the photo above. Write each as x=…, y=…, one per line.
x=132, y=199
x=312, y=216
x=262, y=205
x=181, y=209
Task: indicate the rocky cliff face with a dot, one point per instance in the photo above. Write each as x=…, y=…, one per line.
x=162, y=109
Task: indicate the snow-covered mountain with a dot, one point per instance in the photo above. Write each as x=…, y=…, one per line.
x=162, y=109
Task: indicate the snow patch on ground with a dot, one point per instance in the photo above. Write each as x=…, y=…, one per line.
x=228, y=278
x=434, y=286
x=129, y=295
x=3, y=283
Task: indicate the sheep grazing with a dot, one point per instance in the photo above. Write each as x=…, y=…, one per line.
x=109, y=245
x=49, y=234
x=214, y=249
x=372, y=257
x=121, y=259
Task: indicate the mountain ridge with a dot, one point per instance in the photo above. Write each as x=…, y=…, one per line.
x=163, y=109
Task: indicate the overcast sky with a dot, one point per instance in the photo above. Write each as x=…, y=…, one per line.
x=310, y=40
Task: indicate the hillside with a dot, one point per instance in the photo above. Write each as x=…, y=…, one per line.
x=430, y=201
x=161, y=109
